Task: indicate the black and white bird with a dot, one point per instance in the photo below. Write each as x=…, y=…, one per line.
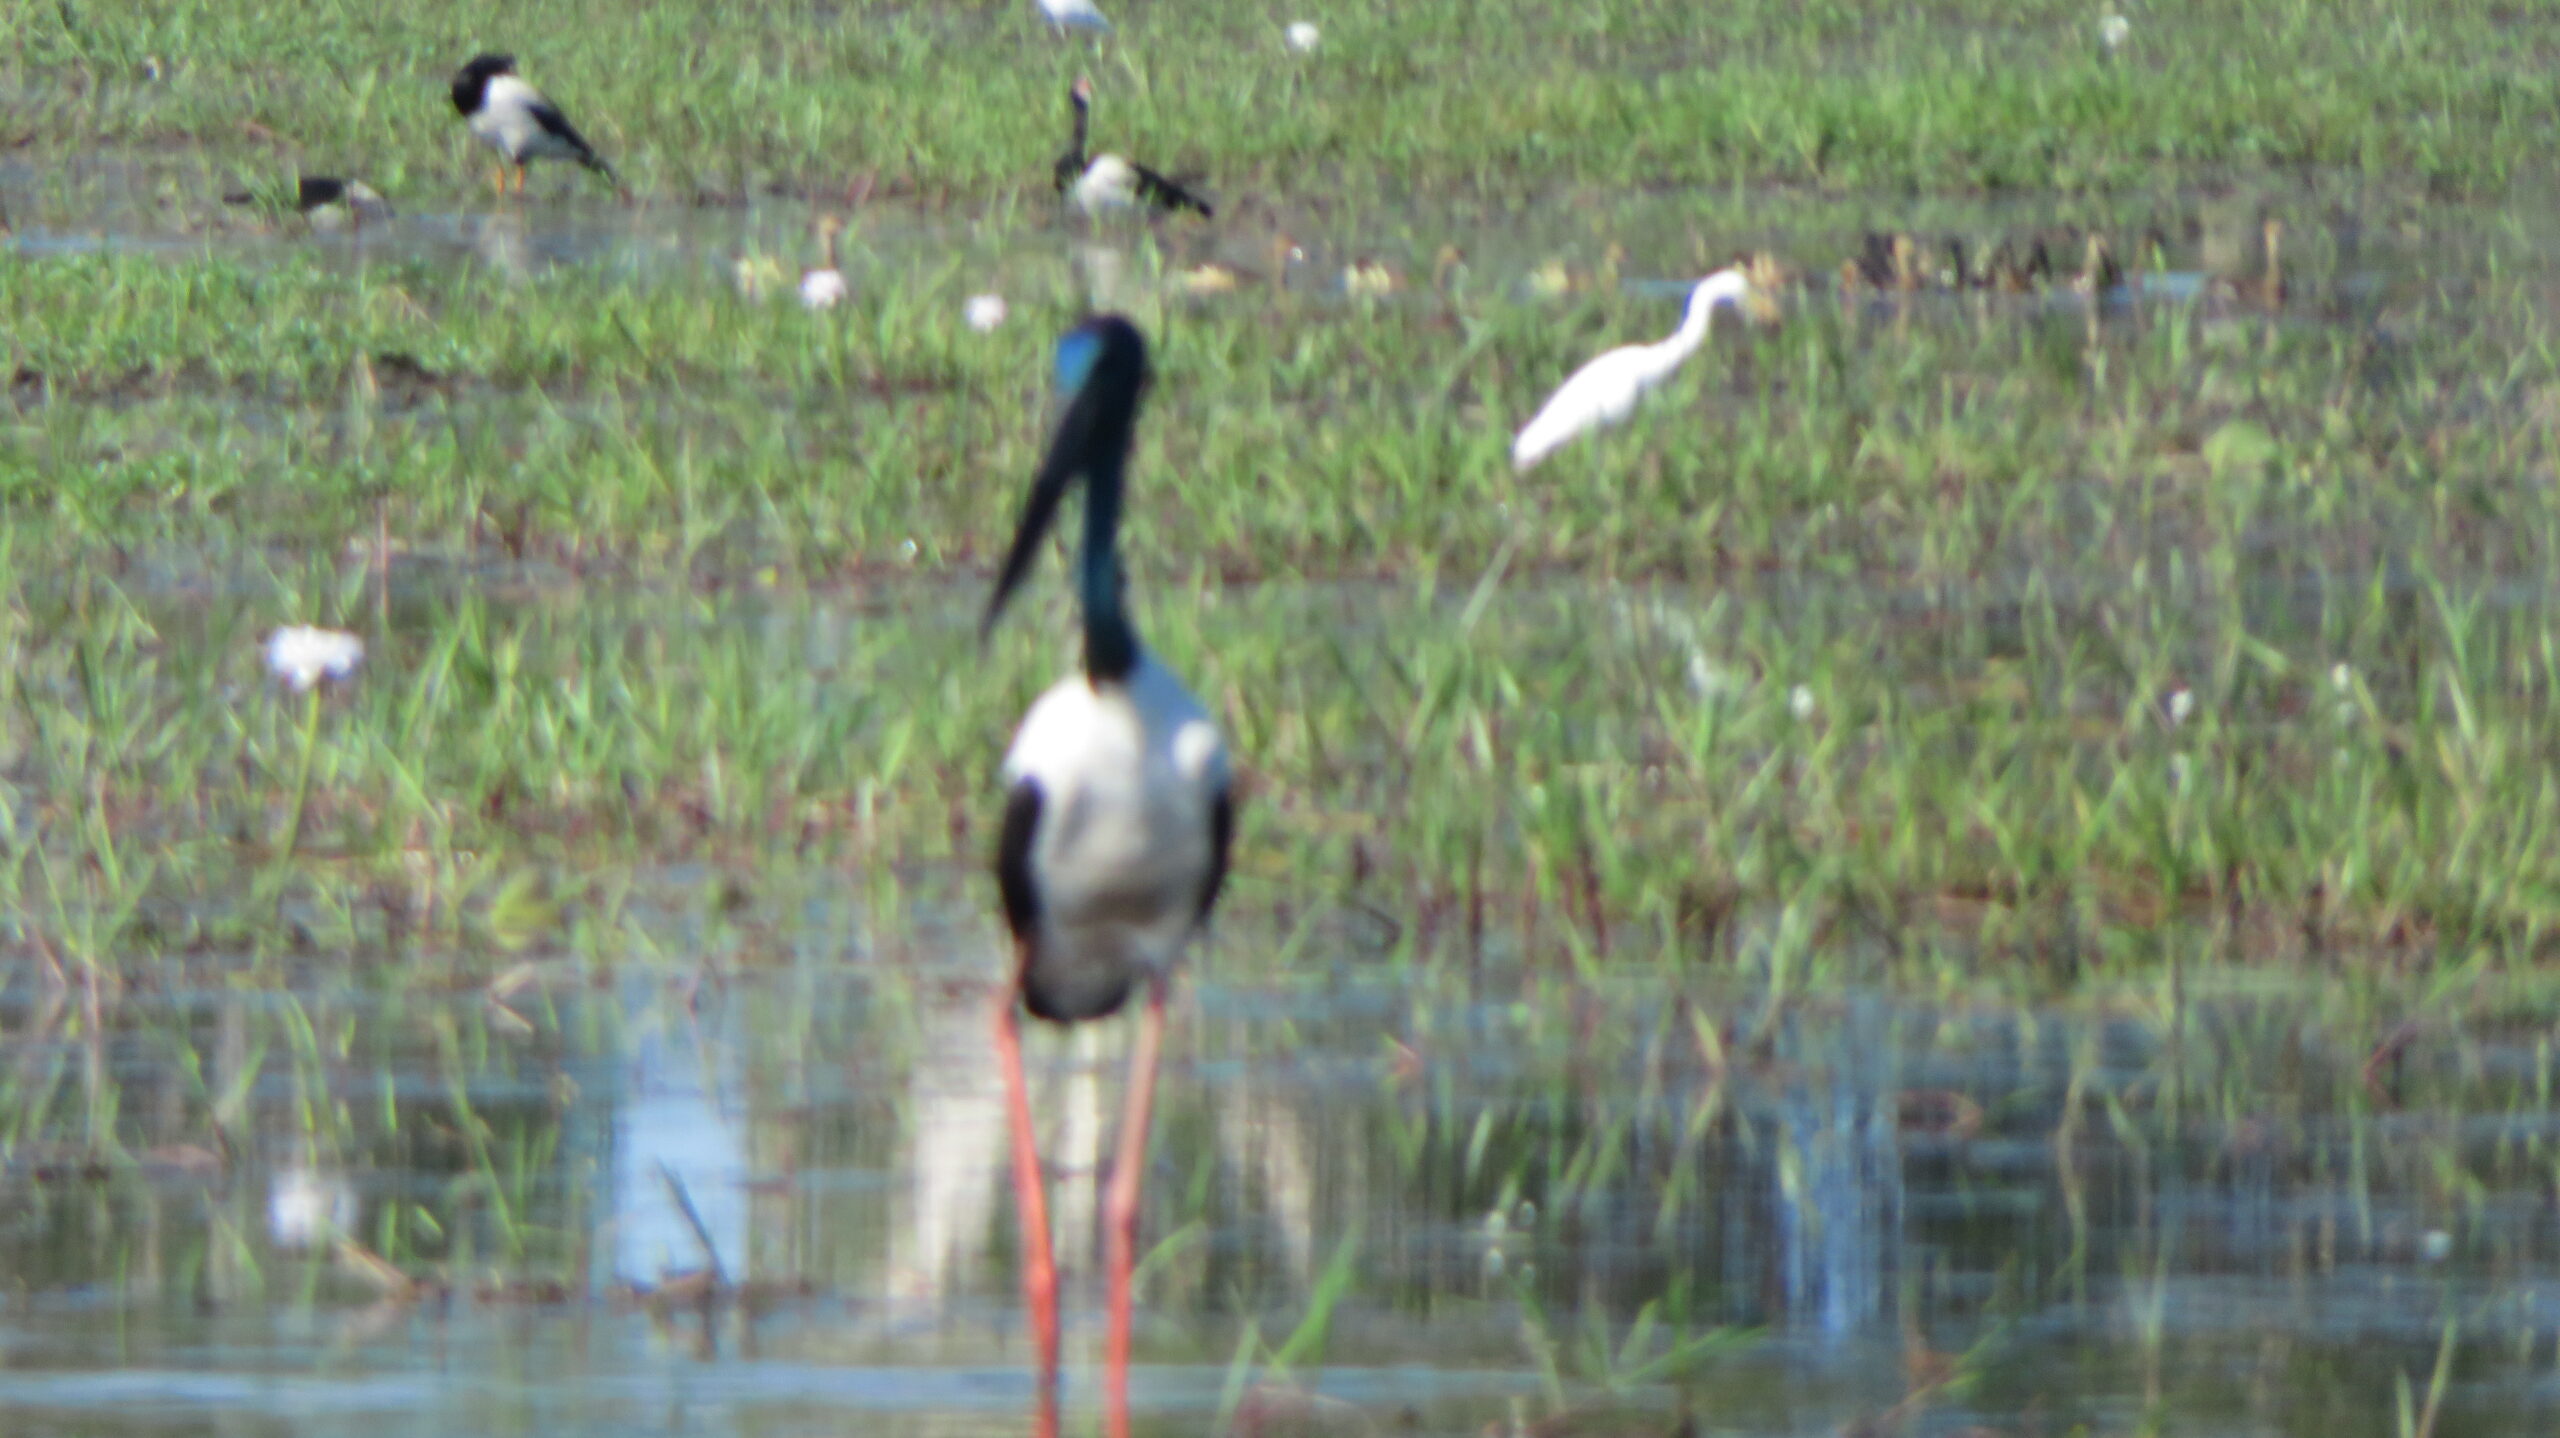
x=1107, y=183
x=512, y=118
x=1117, y=819
x=326, y=201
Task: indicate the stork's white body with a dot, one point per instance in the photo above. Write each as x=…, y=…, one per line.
x=1607, y=389
x=1109, y=184
x=1124, y=854
x=506, y=122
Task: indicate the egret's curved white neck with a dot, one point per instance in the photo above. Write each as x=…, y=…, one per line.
x=1704, y=301
x=1665, y=355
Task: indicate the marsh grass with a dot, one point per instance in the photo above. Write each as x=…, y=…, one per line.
x=965, y=102
x=1861, y=651
x=1544, y=1123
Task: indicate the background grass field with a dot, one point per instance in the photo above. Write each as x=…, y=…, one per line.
x=1861, y=649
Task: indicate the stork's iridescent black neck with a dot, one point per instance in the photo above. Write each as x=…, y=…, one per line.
x=1070, y=164
x=1102, y=373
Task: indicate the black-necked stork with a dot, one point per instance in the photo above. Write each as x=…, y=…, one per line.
x=1605, y=391
x=512, y=118
x=1107, y=183
x=1116, y=824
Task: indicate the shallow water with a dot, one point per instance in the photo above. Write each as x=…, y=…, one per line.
x=2095, y=1217
x=2348, y=236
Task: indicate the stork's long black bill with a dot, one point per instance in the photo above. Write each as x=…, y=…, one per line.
x=1102, y=369
x=1070, y=450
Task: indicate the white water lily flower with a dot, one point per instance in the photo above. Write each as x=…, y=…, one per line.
x=302, y=656
x=1302, y=36
x=984, y=312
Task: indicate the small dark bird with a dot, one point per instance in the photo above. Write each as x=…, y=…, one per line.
x=2016, y=274
x=1109, y=182
x=1886, y=261
x=325, y=200
x=511, y=117
x=2099, y=272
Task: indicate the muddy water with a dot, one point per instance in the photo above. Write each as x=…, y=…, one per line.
x=665, y=1200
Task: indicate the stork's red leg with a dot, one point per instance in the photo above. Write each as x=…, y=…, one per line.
x=1120, y=1208
x=1031, y=1204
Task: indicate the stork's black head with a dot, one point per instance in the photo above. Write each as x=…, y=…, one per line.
x=1105, y=354
x=1080, y=94
x=471, y=82
x=1101, y=373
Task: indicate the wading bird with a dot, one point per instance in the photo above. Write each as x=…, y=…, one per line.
x=1065, y=15
x=511, y=117
x=325, y=200
x=1109, y=182
x=2099, y=273
x=824, y=288
x=1605, y=391
x=1116, y=823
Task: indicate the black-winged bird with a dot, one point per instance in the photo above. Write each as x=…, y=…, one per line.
x=1116, y=824
x=511, y=117
x=1107, y=183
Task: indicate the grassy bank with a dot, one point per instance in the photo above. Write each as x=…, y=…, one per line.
x=1894, y=636
x=1870, y=640
x=1507, y=98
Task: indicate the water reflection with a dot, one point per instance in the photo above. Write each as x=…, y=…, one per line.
x=680, y=1167
x=339, y=1209
x=309, y=1210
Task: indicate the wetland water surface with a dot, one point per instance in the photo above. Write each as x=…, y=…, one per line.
x=2103, y=1221
x=371, y=1147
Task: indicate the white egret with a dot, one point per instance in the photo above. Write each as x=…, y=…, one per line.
x=1116, y=825
x=1605, y=391
x=511, y=117
x=1067, y=15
